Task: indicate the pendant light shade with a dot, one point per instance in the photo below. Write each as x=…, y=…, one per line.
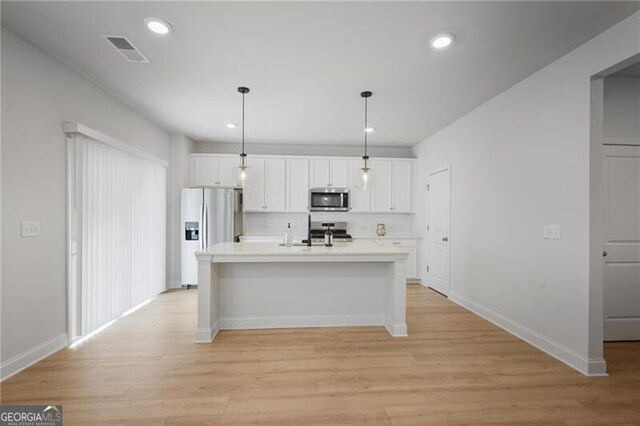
x=365, y=169
x=243, y=155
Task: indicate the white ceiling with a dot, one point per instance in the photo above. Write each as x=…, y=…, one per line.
x=307, y=62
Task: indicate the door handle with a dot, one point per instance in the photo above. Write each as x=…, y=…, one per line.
x=445, y=239
x=202, y=234
x=604, y=253
x=205, y=236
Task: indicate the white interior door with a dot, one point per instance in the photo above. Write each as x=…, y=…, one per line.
x=438, y=230
x=622, y=243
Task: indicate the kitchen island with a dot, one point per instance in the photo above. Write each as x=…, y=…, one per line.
x=264, y=285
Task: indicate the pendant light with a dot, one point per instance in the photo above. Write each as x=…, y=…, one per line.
x=243, y=155
x=366, y=130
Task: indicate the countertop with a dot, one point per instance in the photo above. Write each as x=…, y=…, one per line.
x=272, y=252
x=298, y=237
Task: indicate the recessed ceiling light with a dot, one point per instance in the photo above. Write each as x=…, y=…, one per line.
x=442, y=41
x=157, y=25
x=369, y=129
x=231, y=125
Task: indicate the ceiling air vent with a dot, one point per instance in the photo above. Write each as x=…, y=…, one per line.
x=126, y=48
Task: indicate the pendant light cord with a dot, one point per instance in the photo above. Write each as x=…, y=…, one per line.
x=366, y=103
x=243, y=155
x=243, y=90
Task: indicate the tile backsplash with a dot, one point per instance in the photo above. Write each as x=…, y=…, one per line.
x=358, y=224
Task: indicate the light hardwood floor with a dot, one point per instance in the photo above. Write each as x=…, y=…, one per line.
x=454, y=368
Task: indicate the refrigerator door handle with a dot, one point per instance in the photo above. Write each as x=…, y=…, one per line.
x=205, y=235
x=202, y=233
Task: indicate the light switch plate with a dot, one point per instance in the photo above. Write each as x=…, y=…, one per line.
x=551, y=232
x=30, y=229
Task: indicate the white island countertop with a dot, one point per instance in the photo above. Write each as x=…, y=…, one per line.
x=272, y=252
x=265, y=285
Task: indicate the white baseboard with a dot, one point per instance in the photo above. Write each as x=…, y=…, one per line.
x=301, y=322
x=27, y=358
x=396, y=330
x=173, y=284
x=205, y=335
x=586, y=366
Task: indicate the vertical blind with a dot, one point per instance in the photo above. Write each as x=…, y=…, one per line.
x=122, y=231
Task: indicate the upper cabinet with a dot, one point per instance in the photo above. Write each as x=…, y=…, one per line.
x=380, y=184
x=391, y=188
x=229, y=170
x=297, y=185
x=208, y=170
x=359, y=197
x=401, y=188
x=264, y=189
x=282, y=183
x=329, y=173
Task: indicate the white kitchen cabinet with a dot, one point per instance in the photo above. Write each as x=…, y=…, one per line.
x=339, y=173
x=297, y=184
x=281, y=183
x=204, y=171
x=320, y=173
x=391, y=188
x=329, y=173
x=409, y=244
x=412, y=263
x=380, y=186
x=359, y=198
x=264, y=190
x=229, y=170
x=274, y=184
x=401, y=190
x=210, y=170
x=253, y=191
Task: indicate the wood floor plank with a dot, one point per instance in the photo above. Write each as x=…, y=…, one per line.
x=454, y=368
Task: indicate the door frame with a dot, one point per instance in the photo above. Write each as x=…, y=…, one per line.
x=427, y=274
x=597, y=365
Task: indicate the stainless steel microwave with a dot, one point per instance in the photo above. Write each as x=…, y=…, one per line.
x=329, y=200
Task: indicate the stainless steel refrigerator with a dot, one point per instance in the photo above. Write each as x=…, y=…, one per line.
x=209, y=216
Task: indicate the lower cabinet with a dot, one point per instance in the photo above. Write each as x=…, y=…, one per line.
x=409, y=244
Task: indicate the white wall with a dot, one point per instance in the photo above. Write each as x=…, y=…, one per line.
x=39, y=94
x=622, y=108
x=292, y=149
x=181, y=147
x=520, y=161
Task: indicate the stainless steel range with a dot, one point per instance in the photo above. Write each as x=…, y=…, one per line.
x=339, y=230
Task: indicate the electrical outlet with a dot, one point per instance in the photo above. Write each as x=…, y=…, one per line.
x=551, y=232
x=30, y=229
